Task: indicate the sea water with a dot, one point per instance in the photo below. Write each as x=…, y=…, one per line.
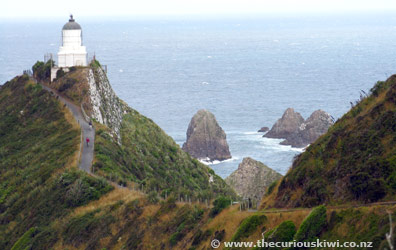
x=247, y=71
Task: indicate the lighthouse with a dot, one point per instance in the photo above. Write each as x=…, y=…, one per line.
x=72, y=52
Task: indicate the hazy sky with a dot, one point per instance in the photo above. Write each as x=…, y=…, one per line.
x=53, y=8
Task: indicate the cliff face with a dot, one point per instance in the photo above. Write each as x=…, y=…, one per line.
x=206, y=140
x=252, y=178
x=88, y=87
x=309, y=131
x=105, y=106
x=355, y=161
x=286, y=126
x=298, y=132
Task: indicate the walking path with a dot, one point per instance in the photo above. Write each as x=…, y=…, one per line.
x=287, y=210
x=86, y=155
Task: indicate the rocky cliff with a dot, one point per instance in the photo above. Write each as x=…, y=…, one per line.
x=89, y=88
x=298, y=132
x=105, y=106
x=316, y=125
x=252, y=178
x=286, y=126
x=206, y=140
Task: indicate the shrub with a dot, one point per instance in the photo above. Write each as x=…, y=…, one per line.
x=41, y=70
x=367, y=188
x=219, y=204
x=248, y=226
x=312, y=225
x=284, y=232
x=201, y=236
x=60, y=73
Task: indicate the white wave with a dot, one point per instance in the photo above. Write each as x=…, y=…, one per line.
x=208, y=162
x=205, y=83
x=121, y=70
x=251, y=133
x=274, y=144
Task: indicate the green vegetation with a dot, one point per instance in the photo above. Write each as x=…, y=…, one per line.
x=354, y=161
x=36, y=142
x=25, y=242
x=186, y=219
x=359, y=225
x=219, y=204
x=284, y=232
x=248, y=226
x=312, y=226
x=42, y=71
x=60, y=73
x=88, y=228
x=46, y=203
x=271, y=187
x=72, y=84
x=153, y=160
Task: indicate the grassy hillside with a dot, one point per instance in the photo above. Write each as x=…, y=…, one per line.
x=153, y=161
x=39, y=183
x=354, y=162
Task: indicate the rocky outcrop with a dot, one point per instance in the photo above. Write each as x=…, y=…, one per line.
x=315, y=126
x=206, y=140
x=297, y=132
x=252, y=178
x=106, y=108
x=263, y=129
x=286, y=126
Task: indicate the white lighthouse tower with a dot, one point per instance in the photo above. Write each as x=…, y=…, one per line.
x=72, y=52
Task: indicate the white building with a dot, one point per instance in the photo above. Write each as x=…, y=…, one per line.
x=72, y=53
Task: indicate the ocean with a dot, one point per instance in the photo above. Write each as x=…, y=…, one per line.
x=245, y=70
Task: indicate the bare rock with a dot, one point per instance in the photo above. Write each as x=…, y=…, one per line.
x=206, y=140
x=315, y=126
x=263, y=129
x=252, y=178
x=286, y=126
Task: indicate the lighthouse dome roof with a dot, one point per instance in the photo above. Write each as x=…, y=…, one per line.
x=71, y=25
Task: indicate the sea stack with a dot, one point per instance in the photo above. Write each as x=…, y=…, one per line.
x=316, y=125
x=252, y=178
x=286, y=126
x=298, y=132
x=206, y=140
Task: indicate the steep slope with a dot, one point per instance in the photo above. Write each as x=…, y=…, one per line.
x=38, y=146
x=150, y=158
x=46, y=203
x=131, y=149
x=354, y=162
x=89, y=88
